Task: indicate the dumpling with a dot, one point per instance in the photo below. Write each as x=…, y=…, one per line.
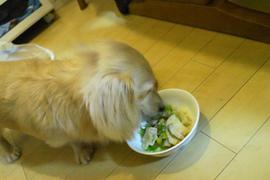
x=176, y=128
x=149, y=137
x=166, y=143
x=176, y=131
x=172, y=140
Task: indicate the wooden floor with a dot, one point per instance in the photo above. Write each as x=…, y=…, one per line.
x=230, y=77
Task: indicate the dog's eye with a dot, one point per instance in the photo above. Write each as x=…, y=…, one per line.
x=156, y=85
x=149, y=91
x=145, y=94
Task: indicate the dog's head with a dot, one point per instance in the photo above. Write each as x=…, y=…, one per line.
x=121, y=91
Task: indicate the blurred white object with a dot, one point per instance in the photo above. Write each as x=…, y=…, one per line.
x=13, y=52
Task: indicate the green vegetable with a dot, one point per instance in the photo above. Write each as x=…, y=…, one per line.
x=161, y=126
x=164, y=135
x=159, y=141
x=152, y=148
x=168, y=109
x=160, y=148
x=156, y=148
x=142, y=131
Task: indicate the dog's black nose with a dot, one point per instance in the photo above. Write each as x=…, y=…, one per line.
x=161, y=108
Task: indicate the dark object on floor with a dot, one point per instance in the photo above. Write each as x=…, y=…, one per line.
x=12, y=9
x=32, y=32
x=82, y=4
x=219, y=15
x=123, y=6
x=16, y=14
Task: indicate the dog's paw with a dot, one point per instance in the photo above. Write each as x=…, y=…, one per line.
x=12, y=156
x=84, y=154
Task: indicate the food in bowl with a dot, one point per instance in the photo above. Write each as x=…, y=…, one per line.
x=180, y=100
x=166, y=129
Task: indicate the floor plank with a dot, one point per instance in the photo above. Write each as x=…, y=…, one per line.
x=139, y=167
x=11, y=171
x=17, y=174
x=142, y=41
x=189, y=77
x=168, y=42
x=229, y=77
x=182, y=54
x=202, y=159
x=48, y=163
x=215, y=52
x=244, y=114
x=253, y=161
x=104, y=162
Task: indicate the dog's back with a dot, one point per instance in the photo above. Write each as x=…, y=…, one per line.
x=33, y=94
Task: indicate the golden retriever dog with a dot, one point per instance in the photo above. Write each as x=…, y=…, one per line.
x=99, y=97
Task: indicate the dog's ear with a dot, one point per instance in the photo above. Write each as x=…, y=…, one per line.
x=112, y=106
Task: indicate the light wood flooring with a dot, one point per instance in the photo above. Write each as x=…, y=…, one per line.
x=230, y=77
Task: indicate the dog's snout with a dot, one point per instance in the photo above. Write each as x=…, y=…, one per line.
x=161, y=108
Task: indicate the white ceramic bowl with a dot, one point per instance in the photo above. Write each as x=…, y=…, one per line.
x=176, y=98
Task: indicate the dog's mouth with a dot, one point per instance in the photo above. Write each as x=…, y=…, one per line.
x=151, y=119
x=145, y=117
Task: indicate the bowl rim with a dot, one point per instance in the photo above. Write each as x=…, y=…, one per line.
x=196, y=122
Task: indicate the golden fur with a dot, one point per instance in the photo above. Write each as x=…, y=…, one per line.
x=99, y=96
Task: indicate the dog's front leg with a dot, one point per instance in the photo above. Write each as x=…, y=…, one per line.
x=83, y=152
x=9, y=152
